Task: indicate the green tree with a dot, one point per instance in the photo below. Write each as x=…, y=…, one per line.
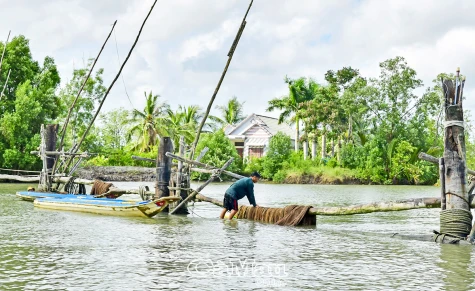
x=19, y=61
x=299, y=91
x=21, y=128
x=84, y=109
x=221, y=149
x=29, y=100
x=144, y=123
x=114, y=128
x=280, y=146
x=182, y=122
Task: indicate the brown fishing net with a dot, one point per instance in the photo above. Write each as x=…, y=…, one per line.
x=291, y=215
x=100, y=187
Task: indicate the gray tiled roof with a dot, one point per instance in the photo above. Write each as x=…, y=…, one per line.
x=274, y=126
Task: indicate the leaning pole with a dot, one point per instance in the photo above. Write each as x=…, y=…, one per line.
x=455, y=215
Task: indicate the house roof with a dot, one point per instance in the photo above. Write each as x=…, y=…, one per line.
x=274, y=126
x=270, y=124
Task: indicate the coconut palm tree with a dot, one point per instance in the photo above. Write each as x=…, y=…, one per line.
x=182, y=122
x=231, y=113
x=300, y=90
x=145, y=122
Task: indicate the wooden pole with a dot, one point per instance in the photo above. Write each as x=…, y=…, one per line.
x=456, y=219
x=442, y=183
x=44, y=183
x=399, y=205
x=50, y=141
x=230, y=57
x=164, y=166
x=113, y=82
x=454, y=152
x=203, y=186
x=180, y=180
x=60, y=148
x=4, y=49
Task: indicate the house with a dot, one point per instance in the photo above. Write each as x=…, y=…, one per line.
x=251, y=136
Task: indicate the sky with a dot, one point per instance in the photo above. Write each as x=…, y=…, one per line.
x=183, y=47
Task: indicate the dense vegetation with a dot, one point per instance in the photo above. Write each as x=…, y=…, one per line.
x=370, y=129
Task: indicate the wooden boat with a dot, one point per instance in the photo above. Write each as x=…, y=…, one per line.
x=31, y=196
x=106, y=206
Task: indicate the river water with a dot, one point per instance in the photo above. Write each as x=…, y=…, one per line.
x=56, y=250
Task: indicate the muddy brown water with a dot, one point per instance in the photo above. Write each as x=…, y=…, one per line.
x=57, y=250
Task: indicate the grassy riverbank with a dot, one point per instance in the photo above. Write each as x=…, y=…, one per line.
x=319, y=175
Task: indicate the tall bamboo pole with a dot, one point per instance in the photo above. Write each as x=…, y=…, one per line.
x=66, y=122
x=230, y=57
x=112, y=84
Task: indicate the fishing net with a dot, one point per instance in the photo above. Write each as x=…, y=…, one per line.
x=100, y=188
x=291, y=215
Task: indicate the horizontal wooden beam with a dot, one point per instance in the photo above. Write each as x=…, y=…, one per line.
x=399, y=205
x=434, y=160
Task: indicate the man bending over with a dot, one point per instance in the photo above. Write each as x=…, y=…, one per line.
x=241, y=188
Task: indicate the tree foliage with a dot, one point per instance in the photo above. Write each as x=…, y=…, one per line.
x=221, y=149
x=280, y=147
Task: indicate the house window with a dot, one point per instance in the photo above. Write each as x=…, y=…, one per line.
x=239, y=144
x=256, y=152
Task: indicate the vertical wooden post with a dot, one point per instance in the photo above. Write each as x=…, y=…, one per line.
x=164, y=168
x=43, y=184
x=181, y=153
x=181, y=180
x=51, y=137
x=456, y=219
x=442, y=183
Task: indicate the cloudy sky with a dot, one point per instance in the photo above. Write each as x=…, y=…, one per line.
x=183, y=47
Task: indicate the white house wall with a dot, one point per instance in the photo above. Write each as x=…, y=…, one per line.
x=256, y=132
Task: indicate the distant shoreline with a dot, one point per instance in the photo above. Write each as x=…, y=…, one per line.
x=144, y=174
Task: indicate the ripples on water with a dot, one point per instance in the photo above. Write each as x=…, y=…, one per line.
x=55, y=250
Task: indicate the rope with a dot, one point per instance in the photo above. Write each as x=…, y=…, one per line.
x=455, y=222
x=454, y=122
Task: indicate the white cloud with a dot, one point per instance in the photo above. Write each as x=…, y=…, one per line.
x=184, y=45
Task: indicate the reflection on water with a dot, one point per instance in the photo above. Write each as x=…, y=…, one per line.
x=456, y=263
x=42, y=249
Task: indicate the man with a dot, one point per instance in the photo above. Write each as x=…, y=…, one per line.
x=241, y=188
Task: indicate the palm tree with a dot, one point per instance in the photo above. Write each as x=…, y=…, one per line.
x=145, y=122
x=183, y=122
x=299, y=91
x=231, y=113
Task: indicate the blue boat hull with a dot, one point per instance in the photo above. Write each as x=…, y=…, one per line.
x=31, y=196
